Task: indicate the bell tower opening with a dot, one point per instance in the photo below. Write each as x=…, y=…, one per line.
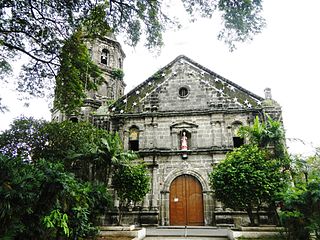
x=104, y=56
x=107, y=53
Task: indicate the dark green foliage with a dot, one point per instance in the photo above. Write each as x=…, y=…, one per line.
x=300, y=203
x=58, y=196
x=94, y=24
x=131, y=182
x=23, y=138
x=253, y=174
x=77, y=74
x=300, y=213
x=242, y=19
x=117, y=73
x=42, y=201
x=246, y=179
x=267, y=135
x=88, y=152
x=5, y=69
x=38, y=29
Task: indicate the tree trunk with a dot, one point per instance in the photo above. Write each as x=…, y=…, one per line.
x=275, y=216
x=258, y=215
x=251, y=215
x=120, y=213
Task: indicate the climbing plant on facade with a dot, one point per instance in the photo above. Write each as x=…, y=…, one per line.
x=117, y=73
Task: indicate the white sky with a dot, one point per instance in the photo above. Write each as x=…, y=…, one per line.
x=285, y=57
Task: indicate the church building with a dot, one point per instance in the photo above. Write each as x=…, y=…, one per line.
x=181, y=121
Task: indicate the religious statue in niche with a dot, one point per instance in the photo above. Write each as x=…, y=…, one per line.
x=184, y=141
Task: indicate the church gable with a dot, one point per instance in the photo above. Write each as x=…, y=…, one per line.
x=184, y=85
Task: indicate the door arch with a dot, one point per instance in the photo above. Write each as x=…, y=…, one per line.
x=186, y=201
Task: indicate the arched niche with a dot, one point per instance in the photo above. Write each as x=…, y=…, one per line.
x=105, y=55
x=236, y=139
x=134, y=138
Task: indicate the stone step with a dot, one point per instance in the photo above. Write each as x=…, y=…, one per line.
x=184, y=238
x=128, y=232
x=190, y=232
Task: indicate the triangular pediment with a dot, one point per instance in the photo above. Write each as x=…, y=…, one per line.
x=203, y=90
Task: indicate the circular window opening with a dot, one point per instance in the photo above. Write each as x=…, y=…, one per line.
x=183, y=92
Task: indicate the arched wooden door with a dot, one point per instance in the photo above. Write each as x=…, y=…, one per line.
x=186, y=201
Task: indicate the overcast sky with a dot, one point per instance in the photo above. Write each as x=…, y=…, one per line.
x=285, y=57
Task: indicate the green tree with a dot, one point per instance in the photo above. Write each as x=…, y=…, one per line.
x=131, y=182
x=92, y=154
x=43, y=201
x=22, y=138
x=42, y=31
x=268, y=135
x=300, y=211
x=256, y=172
x=246, y=179
x=87, y=151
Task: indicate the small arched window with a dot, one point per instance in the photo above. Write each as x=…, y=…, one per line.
x=104, y=56
x=134, y=139
x=237, y=141
x=74, y=119
x=120, y=63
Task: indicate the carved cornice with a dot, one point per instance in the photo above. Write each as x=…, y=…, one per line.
x=170, y=152
x=186, y=113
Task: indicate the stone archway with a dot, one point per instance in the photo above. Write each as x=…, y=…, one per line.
x=186, y=201
x=165, y=195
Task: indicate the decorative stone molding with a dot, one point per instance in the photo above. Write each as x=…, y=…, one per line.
x=178, y=172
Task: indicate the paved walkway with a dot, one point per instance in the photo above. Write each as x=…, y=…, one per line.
x=181, y=232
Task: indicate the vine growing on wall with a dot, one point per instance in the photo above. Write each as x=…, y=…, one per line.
x=117, y=73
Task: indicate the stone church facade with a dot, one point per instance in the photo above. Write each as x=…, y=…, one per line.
x=181, y=121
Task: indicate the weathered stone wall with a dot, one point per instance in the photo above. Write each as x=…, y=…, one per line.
x=159, y=146
x=112, y=88
x=206, y=130
x=196, y=98
x=115, y=57
x=171, y=167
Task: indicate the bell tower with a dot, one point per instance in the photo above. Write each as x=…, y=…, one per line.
x=107, y=53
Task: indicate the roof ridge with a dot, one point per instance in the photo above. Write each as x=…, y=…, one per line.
x=221, y=77
x=179, y=57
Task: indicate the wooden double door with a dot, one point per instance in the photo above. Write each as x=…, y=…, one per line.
x=186, y=201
